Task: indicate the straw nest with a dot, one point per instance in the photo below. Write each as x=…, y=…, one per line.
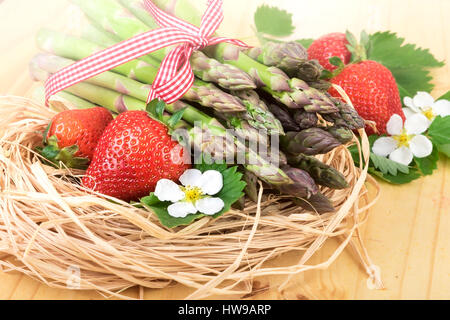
x=50, y=226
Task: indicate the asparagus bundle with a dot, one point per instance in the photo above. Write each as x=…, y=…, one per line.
x=210, y=127
x=239, y=108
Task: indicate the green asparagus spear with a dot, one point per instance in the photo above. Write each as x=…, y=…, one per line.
x=305, y=120
x=310, y=141
x=322, y=174
x=39, y=96
x=346, y=117
x=342, y=134
x=258, y=114
x=303, y=186
x=291, y=57
x=284, y=116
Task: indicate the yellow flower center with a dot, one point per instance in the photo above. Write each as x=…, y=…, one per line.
x=403, y=139
x=192, y=194
x=428, y=112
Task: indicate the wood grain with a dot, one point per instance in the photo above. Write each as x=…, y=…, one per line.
x=408, y=231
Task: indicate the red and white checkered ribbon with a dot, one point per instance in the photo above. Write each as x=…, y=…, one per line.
x=175, y=75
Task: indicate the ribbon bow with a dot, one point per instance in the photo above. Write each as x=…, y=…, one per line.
x=175, y=75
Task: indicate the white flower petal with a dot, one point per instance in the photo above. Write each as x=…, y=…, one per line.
x=417, y=124
x=384, y=146
x=395, y=125
x=402, y=155
x=423, y=100
x=441, y=108
x=421, y=146
x=167, y=190
x=211, y=182
x=181, y=209
x=210, y=206
x=191, y=177
x=409, y=103
x=409, y=112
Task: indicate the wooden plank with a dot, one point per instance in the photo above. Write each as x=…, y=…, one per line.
x=408, y=231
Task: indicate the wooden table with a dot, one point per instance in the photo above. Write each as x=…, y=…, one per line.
x=408, y=232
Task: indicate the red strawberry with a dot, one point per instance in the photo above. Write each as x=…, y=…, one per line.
x=82, y=128
x=372, y=90
x=328, y=46
x=133, y=154
x=72, y=136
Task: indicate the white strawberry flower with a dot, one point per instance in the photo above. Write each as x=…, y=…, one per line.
x=405, y=142
x=195, y=194
x=425, y=104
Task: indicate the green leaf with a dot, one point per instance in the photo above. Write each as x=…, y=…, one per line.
x=54, y=156
x=175, y=118
x=160, y=209
x=387, y=166
x=390, y=50
x=273, y=21
x=408, y=63
x=400, y=178
x=305, y=42
x=446, y=96
x=160, y=108
x=429, y=164
x=439, y=133
x=231, y=192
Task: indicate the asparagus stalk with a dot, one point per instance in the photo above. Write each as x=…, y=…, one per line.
x=39, y=96
x=122, y=25
x=291, y=57
x=310, y=141
x=258, y=114
x=343, y=135
x=346, y=117
x=206, y=94
x=322, y=174
x=284, y=116
x=305, y=120
x=304, y=186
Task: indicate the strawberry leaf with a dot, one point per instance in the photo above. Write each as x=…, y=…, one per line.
x=429, y=164
x=387, y=166
x=160, y=108
x=439, y=133
x=231, y=192
x=445, y=96
x=409, y=64
x=273, y=21
x=398, y=179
